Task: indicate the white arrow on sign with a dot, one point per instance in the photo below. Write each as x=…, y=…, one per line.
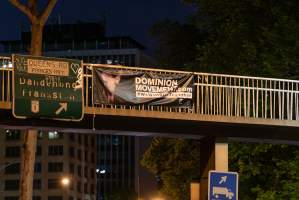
x=223, y=179
x=63, y=106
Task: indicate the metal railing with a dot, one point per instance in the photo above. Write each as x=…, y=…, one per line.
x=214, y=94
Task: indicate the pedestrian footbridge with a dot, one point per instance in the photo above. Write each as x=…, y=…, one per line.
x=237, y=107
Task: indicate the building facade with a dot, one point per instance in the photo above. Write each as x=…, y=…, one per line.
x=65, y=167
x=84, y=41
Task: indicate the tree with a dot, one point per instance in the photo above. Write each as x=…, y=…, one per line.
x=258, y=38
x=37, y=20
x=175, y=163
x=267, y=172
x=175, y=43
x=249, y=37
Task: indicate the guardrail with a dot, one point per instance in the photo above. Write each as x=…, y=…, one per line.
x=214, y=94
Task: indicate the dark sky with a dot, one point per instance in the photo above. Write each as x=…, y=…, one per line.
x=124, y=17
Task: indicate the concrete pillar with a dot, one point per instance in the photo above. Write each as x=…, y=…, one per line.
x=195, y=188
x=213, y=156
x=221, y=155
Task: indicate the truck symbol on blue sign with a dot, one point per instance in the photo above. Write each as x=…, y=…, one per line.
x=224, y=191
x=223, y=185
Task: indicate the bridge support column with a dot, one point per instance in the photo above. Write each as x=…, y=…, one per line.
x=213, y=156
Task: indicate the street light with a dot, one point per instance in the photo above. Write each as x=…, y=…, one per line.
x=65, y=181
x=158, y=197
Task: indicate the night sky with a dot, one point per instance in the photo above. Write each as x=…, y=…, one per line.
x=124, y=17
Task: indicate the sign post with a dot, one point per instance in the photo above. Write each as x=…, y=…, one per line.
x=49, y=88
x=223, y=185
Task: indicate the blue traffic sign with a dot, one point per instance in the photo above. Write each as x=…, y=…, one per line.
x=223, y=185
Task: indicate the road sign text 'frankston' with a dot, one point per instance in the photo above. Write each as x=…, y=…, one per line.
x=47, y=88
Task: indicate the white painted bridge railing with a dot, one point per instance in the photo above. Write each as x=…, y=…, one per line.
x=214, y=94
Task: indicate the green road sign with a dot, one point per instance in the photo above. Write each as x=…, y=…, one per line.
x=47, y=88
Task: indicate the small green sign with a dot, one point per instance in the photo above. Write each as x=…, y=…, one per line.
x=47, y=88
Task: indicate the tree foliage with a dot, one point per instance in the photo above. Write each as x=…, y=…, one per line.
x=266, y=171
x=249, y=37
x=231, y=36
x=176, y=43
x=175, y=162
x=258, y=38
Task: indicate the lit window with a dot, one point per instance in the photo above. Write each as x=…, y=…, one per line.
x=13, y=134
x=52, y=135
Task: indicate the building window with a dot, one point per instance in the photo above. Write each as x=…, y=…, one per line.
x=93, y=143
x=79, y=154
x=86, y=156
x=72, y=152
x=37, y=184
x=10, y=185
x=79, y=139
x=115, y=141
x=54, y=197
x=12, y=168
x=13, y=134
x=92, y=172
x=72, y=137
x=37, y=168
x=55, y=167
x=92, y=189
x=12, y=151
x=38, y=151
x=86, y=140
x=79, y=170
x=72, y=168
x=79, y=186
x=40, y=135
x=11, y=198
x=55, y=150
x=53, y=135
x=71, y=185
x=53, y=183
x=85, y=188
x=92, y=158
x=86, y=172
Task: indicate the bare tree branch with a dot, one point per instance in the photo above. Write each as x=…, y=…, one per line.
x=24, y=9
x=32, y=5
x=47, y=11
